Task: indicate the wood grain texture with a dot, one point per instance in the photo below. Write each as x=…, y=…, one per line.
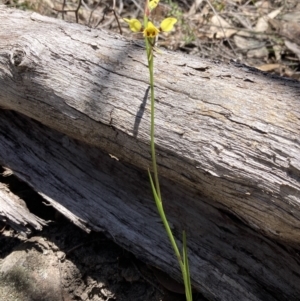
x=229, y=260
x=14, y=212
x=227, y=140
x=229, y=131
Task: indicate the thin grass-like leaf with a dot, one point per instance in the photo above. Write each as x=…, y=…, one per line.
x=161, y=212
x=187, y=280
x=156, y=198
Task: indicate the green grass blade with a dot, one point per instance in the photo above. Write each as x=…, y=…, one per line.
x=156, y=198
x=187, y=277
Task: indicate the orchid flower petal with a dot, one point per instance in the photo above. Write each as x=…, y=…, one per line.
x=134, y=24
x=167, y=24
x=153, y=3
x=150, y=31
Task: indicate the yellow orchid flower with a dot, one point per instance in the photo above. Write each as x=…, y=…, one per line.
x=166, y=25
x=152, y=4
x=151, y=31
x=134, y=24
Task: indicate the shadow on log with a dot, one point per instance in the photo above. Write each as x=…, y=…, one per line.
x=227, y=138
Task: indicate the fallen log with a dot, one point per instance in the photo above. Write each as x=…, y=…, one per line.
x=229, y=260
x=227, y=138
x=15, y=213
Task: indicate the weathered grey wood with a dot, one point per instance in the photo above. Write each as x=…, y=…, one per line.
x=229, y=131
x=229, y=260
x=229, y=134
x=15, y=213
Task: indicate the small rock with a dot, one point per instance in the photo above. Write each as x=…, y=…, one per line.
x=28, y=274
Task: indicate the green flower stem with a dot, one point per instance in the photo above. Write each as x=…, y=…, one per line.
x=183, y=263
x=149, y=48
x=152, y=132
x=182, y=260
